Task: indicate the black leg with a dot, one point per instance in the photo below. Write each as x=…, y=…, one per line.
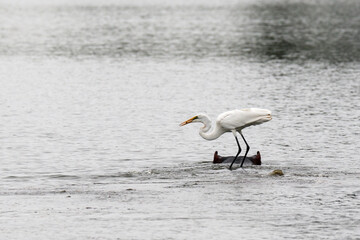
x=247, y=149
x=237, y=141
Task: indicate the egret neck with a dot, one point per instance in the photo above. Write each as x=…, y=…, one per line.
x=205, y=131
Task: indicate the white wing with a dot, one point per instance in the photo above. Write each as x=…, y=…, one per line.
x=239, y=119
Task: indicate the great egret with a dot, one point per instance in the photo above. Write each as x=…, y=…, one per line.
x=231, y=121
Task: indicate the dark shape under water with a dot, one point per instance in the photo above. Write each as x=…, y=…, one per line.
x=253, y=160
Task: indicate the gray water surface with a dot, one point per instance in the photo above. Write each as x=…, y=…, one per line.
x=91, y=99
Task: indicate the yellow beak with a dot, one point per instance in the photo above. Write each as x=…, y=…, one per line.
x=188, y=121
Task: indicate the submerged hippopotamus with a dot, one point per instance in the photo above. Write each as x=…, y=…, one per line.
x=253, y=160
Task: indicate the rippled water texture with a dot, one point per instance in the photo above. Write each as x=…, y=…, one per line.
x=91, y=99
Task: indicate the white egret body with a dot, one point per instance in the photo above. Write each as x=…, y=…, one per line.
x=231, y=121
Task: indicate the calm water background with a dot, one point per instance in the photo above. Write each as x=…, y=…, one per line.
x=92, y=94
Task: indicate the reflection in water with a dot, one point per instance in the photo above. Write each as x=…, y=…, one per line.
x=277, y=29
x=321, y=31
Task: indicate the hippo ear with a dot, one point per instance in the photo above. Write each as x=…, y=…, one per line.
x=217, y=158
x=256, y=159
